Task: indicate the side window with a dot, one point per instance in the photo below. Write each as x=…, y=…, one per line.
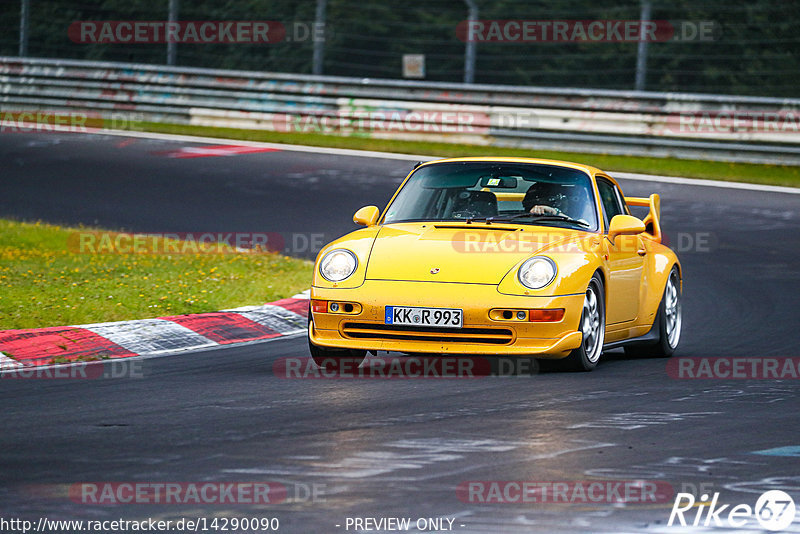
x=612, y=205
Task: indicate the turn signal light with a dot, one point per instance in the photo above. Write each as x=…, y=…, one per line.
x=326, y=306
x=546, y=316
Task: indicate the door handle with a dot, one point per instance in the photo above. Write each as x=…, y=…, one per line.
x=641, y=252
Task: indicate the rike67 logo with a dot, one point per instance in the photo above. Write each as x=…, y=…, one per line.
x=774, y=510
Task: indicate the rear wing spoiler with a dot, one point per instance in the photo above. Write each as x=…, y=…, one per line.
x=652, y=222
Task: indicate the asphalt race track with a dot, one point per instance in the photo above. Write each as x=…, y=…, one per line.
x=402, y=447
x=134, y=184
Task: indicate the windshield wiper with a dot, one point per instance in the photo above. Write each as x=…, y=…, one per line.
x=562, y=217
x=559, y=217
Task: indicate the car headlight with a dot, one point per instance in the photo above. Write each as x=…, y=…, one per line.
x=338, y=265
x=537, y=272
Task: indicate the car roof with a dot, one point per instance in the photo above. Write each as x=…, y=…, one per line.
x=591, y=171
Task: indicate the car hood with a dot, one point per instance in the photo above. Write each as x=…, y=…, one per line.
x=452, y=252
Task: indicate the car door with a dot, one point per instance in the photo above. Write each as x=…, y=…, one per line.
x=624, y=259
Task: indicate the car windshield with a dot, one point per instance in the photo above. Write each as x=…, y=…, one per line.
x=526, y=193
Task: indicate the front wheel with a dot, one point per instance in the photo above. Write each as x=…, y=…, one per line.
x=668, y=321
x=334, y=359
x=593, y=328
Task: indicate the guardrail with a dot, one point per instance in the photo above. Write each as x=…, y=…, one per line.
x=700, y=126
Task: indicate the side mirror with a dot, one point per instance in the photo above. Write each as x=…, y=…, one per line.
x=367, y=216
x=624, y=225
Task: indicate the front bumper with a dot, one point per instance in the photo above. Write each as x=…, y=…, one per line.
x=365, y=328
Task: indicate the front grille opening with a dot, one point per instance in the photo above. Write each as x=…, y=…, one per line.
x=491, y=336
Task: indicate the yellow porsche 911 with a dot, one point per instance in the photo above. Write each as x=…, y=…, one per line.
x=499, y=256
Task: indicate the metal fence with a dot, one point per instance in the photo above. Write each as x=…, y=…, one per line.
x=697, y=126
x=753, y=47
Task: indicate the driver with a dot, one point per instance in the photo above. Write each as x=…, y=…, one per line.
x=545, y=198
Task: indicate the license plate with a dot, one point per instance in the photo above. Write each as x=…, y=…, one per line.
x=437, y=317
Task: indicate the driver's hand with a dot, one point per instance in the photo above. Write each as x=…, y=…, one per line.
x=544, y=210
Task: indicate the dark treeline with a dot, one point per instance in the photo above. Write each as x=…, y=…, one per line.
x=755, y=49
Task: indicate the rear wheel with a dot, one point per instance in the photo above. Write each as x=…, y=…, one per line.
x=593, y=328
x=334, y=359
x=668, y=321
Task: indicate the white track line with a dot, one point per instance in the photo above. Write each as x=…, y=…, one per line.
x=7, y=363
x=706, y=183
x=411, y=157
x=277, y=146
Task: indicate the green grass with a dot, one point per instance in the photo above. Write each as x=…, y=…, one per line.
x=45, y=281
x=714, y=170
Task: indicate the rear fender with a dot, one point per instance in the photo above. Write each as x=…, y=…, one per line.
x=662, y=260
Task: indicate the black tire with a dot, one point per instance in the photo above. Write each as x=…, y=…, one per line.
x=333, y=359
x=593, y=326
x=668, y=321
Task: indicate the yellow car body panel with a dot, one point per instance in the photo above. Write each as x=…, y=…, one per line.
x=473, y=267
x=508, y=336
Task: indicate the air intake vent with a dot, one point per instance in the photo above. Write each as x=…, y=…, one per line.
x=485, y=336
